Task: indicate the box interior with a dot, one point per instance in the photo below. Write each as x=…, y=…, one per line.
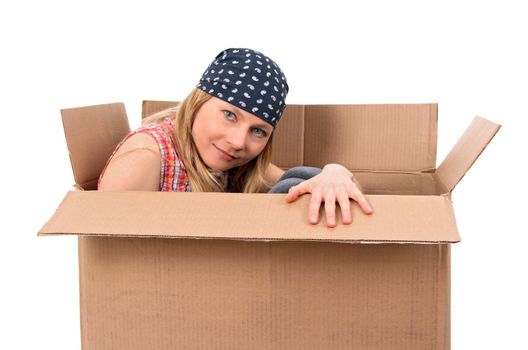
x=306, y=136
x=391, y=149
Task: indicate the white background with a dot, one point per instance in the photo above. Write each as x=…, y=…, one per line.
x=469, y=56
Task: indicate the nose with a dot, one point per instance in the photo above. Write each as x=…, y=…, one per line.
x=237, y=138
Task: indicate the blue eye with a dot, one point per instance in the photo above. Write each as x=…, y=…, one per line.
x=259, y=132
x=229, y=115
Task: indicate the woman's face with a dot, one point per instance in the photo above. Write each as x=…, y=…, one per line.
x=227, y=137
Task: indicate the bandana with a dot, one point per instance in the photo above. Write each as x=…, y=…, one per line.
x=249, y=80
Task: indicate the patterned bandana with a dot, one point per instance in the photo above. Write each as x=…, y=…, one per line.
x=249, y=80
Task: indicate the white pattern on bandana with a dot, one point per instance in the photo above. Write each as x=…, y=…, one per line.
x=248, y=91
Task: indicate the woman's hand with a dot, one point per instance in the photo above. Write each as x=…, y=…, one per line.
x=334, y=184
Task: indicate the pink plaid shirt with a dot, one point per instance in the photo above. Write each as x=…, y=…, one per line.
x=173, y=176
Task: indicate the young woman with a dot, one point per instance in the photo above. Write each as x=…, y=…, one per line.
x=219, y=139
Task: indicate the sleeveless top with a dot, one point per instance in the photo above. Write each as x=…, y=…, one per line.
x=173, y=176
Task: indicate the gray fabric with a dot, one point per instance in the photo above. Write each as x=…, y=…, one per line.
x=293, y=177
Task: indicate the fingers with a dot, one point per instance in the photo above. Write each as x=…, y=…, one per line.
x=362, y=201
x=295, y=191
x=330, y=209
x=330, y=212
x=313, y=208
x=330, y=192
x=344, y=204
x=343, y=199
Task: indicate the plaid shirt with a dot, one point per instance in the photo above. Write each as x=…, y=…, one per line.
x=173, y=176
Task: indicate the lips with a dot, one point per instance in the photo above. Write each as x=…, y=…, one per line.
x=227, y=155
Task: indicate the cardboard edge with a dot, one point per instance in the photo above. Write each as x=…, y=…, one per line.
x=465, y=152
x=44, y=231
x=448, y=295
x=102, y=112
x=447, y=197
x=63, y=112
x=77, y=205
x=433, y=131
x=83, y=324
x=249, y=239
x=303, y=139
x=443, y=313
x=149, y=107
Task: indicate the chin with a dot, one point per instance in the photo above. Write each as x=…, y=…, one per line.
x=218, y=167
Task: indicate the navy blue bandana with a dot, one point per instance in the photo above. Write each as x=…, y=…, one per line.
x=248, y=80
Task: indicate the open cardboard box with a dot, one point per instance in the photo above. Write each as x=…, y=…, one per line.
x=247, y=271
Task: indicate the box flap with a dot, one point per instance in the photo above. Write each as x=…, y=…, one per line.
x=288, y=138
x=413, y=219
x=384, y=137
x=466, y=151
x=150, y=107
x=92, y=133
x=396, y=183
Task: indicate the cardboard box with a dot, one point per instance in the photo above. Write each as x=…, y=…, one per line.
x=247, y=271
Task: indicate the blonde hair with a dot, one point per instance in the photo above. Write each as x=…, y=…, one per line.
x=246, y=178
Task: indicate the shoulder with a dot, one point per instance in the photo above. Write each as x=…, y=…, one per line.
x=139, y=141
x=134, y=166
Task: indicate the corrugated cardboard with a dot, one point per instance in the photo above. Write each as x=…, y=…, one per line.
x=247, y=271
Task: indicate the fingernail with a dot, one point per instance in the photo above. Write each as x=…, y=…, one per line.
x=313, y=219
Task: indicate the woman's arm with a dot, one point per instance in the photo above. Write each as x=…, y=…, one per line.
x=134, y=167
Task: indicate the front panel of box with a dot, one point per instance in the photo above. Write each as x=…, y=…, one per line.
x=145, y=293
